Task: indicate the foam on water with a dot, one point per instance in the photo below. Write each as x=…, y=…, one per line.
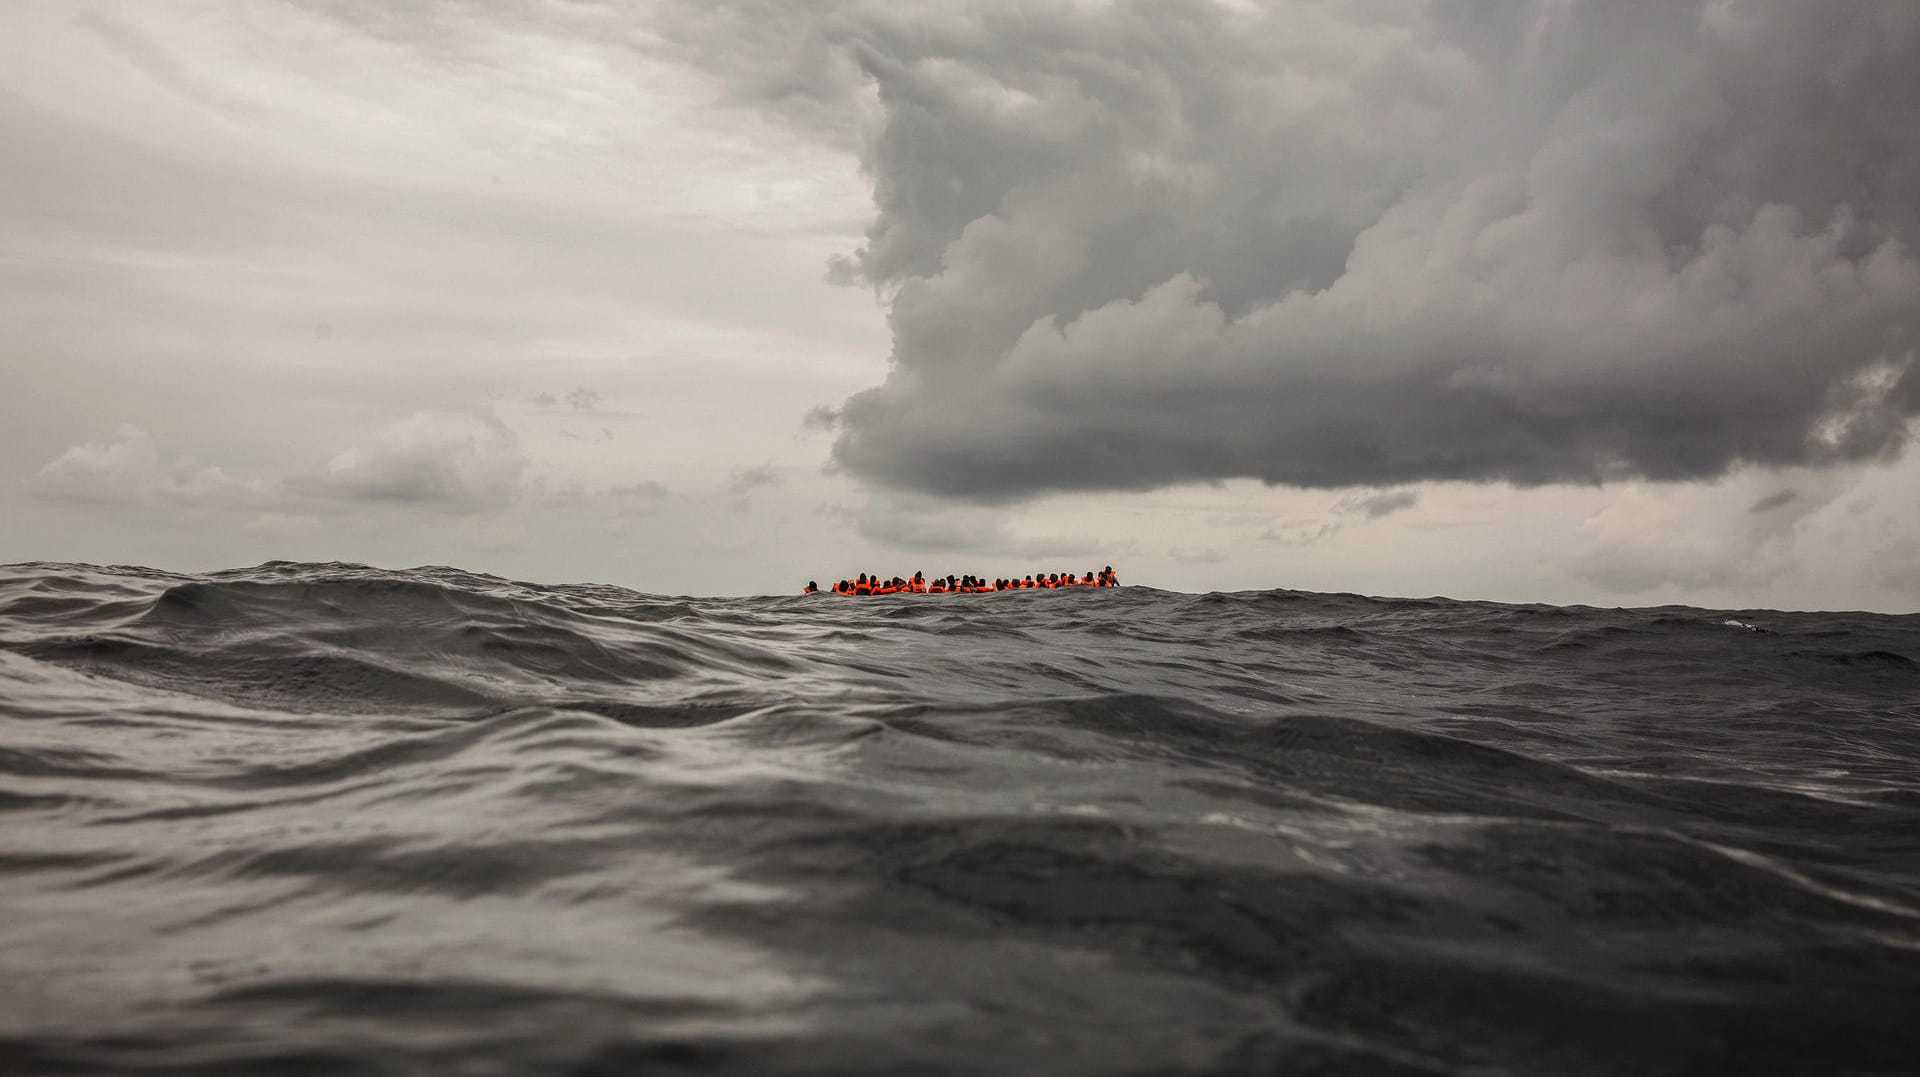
x=330, y=818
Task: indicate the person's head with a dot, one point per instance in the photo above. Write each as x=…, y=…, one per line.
x=812, y=586
x=863, y=578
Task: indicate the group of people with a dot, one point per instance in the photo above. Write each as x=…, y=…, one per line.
x=941, y=585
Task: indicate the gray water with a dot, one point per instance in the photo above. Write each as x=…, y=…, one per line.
x=335, y=819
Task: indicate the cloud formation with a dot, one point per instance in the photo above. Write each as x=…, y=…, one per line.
x=449, y=463
x=1650, y=541
x=129, y=470
x=1134, y=244
x=435, y=461
x=1381, y=504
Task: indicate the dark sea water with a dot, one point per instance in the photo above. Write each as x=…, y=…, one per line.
x=329, y=819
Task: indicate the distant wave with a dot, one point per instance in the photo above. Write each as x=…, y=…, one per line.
x=330, y=818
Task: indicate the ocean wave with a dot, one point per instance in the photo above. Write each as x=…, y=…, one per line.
x=342, y=819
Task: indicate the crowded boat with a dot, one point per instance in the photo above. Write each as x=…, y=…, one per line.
x=918, y=584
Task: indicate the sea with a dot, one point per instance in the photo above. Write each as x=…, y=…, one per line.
x=333, y=819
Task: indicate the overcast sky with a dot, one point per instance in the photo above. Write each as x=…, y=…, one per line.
x=1613, y=301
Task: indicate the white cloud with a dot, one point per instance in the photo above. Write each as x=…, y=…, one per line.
x=447, y=463
x=455, y=463
x=129, y=471
x=1740, y=534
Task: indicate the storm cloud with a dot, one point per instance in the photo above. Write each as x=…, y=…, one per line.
x=1134, y=244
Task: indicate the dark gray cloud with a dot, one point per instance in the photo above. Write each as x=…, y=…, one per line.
x=1133, y=244
x=1773, y=501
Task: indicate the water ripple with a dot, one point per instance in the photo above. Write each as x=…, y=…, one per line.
x=338, y=819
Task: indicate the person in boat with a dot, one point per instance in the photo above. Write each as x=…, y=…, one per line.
x=812, y=588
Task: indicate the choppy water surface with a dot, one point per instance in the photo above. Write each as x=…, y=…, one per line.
x=327, y=818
